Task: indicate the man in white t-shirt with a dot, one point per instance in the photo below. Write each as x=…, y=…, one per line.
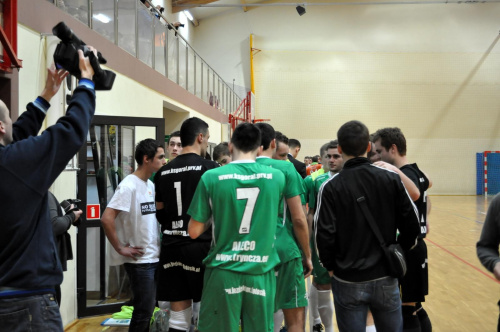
x=129, y=222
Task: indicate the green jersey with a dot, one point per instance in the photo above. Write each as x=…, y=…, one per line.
x=286, y=244
x=316, y=185
x=309, y=187
x=242, y=199
x=317, y=173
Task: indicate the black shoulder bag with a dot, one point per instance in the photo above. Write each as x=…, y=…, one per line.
x=393, y=252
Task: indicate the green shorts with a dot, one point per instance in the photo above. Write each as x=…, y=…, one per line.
x=229, y=296
x=290, y=286
x=320, y=274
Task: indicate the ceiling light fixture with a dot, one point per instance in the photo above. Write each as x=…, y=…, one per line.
x=301, y=10
x=102, y=18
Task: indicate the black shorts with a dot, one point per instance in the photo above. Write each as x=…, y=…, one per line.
x=181, y=271
x=415, y=284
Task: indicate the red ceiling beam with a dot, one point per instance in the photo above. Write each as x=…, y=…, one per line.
x=8, y=37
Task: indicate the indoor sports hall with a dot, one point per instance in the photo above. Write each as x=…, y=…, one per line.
x=430, y=68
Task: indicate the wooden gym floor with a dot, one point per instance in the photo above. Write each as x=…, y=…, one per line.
x=463, y=295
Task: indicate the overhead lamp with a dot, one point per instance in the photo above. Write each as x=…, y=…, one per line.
x=102, y=18
x=301, y=10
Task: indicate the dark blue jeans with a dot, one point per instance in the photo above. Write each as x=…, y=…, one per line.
x=143, y=283
x=38, y=313
x=352, y=301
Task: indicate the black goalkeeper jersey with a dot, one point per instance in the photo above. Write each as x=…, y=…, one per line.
x=418, y=177
x=175, y=184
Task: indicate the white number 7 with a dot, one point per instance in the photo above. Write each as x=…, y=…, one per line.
x=250, y=194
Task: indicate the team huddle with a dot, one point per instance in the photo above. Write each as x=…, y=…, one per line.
x=239, y=237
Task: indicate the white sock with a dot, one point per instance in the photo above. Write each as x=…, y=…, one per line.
x=313, y=304
x=196, y=312
x=278, y=320
x=325, y=308
x=181, y=320
x=371, y=328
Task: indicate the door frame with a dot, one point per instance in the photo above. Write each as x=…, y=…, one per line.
x=81, y=239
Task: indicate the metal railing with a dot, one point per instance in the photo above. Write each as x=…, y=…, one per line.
x=145, y=34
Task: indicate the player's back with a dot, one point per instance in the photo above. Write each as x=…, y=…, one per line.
x=422, y=182
x=245, y=198
x=175, y=185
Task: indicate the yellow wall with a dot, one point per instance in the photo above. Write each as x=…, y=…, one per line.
x=446, y=104
x=32, y=76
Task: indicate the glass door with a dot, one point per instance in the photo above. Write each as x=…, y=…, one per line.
x=105, y=159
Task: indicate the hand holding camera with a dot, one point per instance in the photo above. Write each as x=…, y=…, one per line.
x=86, y=68
x=71, y=54
x=69, y=206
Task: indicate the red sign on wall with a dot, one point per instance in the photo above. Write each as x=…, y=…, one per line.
x=93, y=211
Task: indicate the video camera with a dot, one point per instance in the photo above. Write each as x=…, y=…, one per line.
x=66, y=56
x=66, y=205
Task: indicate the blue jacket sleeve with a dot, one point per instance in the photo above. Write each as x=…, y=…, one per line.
x=30, y=122
x=38, y=160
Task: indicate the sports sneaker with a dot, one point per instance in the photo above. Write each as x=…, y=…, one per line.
x=318, y=327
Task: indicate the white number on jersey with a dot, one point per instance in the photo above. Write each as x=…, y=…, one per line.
x=177, y=186
x=250, y=194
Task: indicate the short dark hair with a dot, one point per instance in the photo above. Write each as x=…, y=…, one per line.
x=147, y=147
x=314, y=159
x=333, y=144
x=246, y=137
x=323, y=149
x=372, y=151
x=220, y=150
x=390, y=136
x=190, y=129
x=267, y=134
x=353, y=138
x=293, y=143
x=174, y=134
x=280, y=138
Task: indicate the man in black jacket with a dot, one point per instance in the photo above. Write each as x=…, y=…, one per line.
x=347, y=247
x=29, y=164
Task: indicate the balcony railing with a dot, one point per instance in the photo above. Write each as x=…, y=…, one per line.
x=139, y=31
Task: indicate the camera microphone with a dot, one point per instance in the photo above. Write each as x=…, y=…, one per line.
x=64, y=33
